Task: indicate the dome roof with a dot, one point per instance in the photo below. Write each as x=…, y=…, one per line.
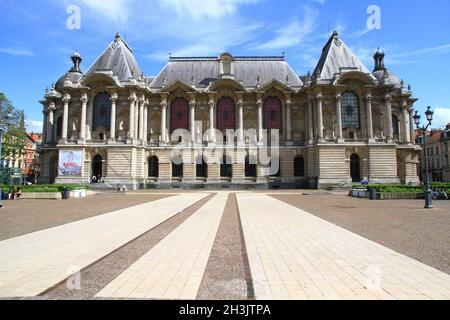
x=74, y=77
x=393, y=79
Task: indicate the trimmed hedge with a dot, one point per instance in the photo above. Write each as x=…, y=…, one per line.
x=411, y=189
x=40, y=188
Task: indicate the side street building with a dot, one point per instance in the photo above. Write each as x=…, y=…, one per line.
x=338, y=125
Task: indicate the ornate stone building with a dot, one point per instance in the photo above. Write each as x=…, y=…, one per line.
x=338, y=125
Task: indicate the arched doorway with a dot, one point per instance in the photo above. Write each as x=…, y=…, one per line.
x=226, y=167
x=250, y=167
x=299, y=166
x=201, y=168
x=97, y=167
x=355, y=168
x=153, y=167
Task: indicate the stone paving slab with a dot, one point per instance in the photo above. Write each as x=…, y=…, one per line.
x=295, y=255
x=174, y=268
x=33, y=263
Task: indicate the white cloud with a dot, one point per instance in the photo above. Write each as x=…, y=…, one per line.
x=17, y=52
x=294, y=33
x=210, y=8
x=441, y=116
x=116, y=10
x=34, y=125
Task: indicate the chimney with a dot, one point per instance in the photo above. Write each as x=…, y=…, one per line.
x=76, y=62
x=379, y=60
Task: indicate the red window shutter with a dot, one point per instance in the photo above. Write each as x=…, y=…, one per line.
x=226, y=114
x=273, y=118
x=179, y=118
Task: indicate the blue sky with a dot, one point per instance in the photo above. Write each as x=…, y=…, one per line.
x=35, y=43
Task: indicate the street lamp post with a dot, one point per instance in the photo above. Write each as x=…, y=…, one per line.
x=428, y=192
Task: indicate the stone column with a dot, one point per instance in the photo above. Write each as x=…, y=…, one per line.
x=84, y=101
x=163, y=119
x=310, y=122
x=141, y=118
x=411, y=127
x=146, y=122
x=370, y=137
x=192, y=104
x=259, y=104
x=240, y=105
x=112, y=129
x=90, y=118
x=66, y=100
x=288, y=120
x=319, y=99
x=44, y=129
x=50, y=121
x=211, y=104
x=340, y=136
x=405, y=116
x=389, y=128
x=132, y=99
x=136, y=118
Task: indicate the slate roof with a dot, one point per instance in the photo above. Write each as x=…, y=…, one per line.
x=201, y=71
x=118, y=58
x=336, y=55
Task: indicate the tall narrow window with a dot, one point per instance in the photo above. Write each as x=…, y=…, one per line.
x=350, y=111
x=179, y=117
x=153, y=167
x=273, y=115
x=226, y=114
x=102, y=112
x=177, y=170
x=226, y=167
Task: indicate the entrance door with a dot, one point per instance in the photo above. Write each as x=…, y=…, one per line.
x=355, y=168
x=97, y=166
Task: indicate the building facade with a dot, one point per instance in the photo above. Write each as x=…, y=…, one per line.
x=337, y=126
x=30, y=157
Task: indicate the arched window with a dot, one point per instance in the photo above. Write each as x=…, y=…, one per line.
x=177, y=170
x=350, y=111
x=97, y=167
x=179, y=114
x=273, y=115
x=395, y=126
x=226, y=114
x=102, y=111
x=226, y=167
x=355, y=168
x=201, y=168
x=250, y=167
x=299, y=166
x=153, y=167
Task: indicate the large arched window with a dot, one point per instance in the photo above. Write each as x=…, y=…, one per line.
x=299, y=166
x=273, y=115
x=153, y=167
x=350, y=111
x=250, y=167
x=102, y=111
x=201, y=168
x=226, y=114
x=226, y=167
x=395, y=126
x=179, y=114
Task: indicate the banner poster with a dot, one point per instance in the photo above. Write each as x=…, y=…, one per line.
x=70, y=163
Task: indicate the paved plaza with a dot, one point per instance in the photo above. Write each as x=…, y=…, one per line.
x=224, y=245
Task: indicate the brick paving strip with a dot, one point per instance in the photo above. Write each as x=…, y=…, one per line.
x=295, y=255
x=227, y=275
x=32, y=263
x=98, y=275
x=174, y=268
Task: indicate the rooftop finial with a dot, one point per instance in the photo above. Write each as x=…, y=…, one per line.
x=379, y=60
x=76, y=62
x=118, y=36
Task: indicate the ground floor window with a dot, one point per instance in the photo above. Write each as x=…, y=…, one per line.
x=177, y=170
x=355, y=168
x=201, y=168
x=226, y=168
x=153, y=167
x=299, y=166
x=250, y=167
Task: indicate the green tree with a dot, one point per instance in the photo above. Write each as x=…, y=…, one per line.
x=12, y=123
